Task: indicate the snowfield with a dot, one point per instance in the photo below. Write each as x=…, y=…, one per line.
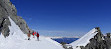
x=17, y=40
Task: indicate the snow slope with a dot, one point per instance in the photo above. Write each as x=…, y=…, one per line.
x=17, y=40
x=83, y=41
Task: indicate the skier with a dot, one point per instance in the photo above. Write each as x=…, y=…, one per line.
x=37, y=36
x=28, y=35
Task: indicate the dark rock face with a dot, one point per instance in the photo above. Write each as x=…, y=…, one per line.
x=8, y=9
x=98, y=42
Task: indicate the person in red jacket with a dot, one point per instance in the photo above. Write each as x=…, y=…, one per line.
x=37, y=36
x=33, y=34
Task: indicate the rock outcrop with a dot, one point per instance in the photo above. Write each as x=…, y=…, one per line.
x=99, y=42
x=8, y=9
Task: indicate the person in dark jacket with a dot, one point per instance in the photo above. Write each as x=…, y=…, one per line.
x=37, y=36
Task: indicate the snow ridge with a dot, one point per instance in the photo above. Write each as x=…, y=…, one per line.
x=83, y=41
x=15, y=31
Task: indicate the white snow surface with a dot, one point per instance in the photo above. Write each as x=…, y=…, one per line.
x=83, y=41
x=17, y=40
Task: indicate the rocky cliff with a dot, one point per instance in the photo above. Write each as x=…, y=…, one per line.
x=8, y=9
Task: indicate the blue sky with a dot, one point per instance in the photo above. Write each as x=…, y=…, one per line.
x=65, y=17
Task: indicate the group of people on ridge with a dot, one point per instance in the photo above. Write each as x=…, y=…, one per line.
x=34, y=34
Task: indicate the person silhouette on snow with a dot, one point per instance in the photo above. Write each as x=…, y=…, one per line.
x=37, y=36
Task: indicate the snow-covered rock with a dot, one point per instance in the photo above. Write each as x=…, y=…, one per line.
x=94, y=39
x=83, y=41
